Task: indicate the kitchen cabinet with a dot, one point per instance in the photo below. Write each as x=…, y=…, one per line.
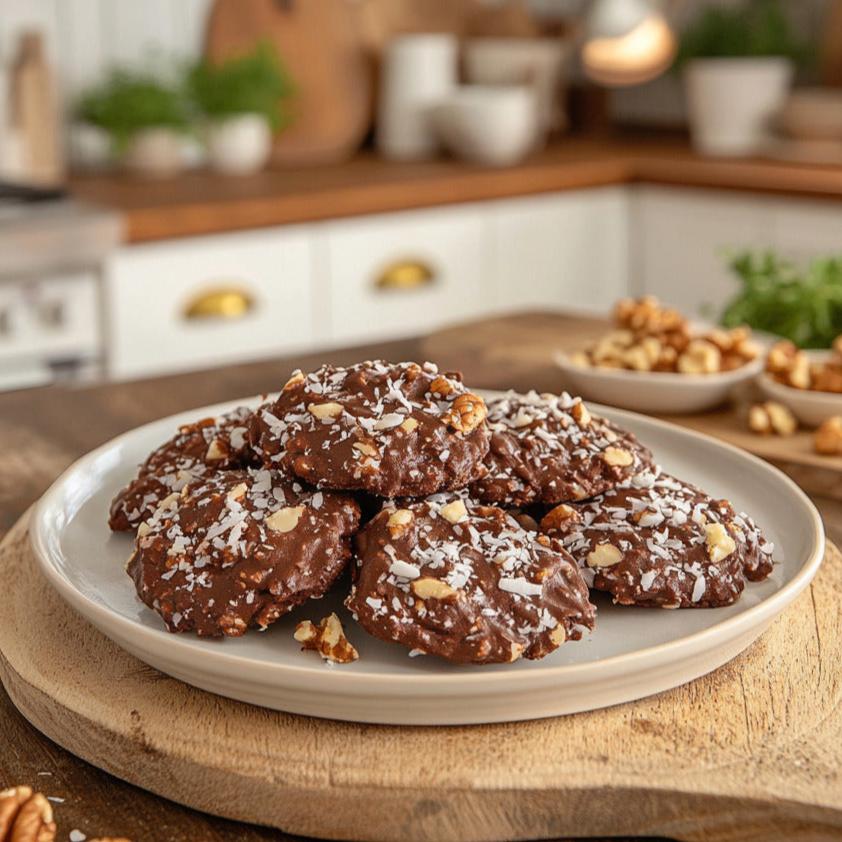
x=203, y=301
x=381, y=276
x=567, y=250
x=405, y=273
x=355, y=280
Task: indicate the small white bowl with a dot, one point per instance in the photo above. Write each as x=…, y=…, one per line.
x=493, y=125
x=661, y=392
x=808, y=406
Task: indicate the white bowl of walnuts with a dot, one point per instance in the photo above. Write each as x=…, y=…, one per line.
x=808, y=382
x=656, y=361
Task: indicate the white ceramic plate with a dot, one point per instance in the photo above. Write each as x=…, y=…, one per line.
x=633, y=652
x=663, y=392
x=809, y=406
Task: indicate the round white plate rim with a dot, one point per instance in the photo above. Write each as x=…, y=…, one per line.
x=728, y=629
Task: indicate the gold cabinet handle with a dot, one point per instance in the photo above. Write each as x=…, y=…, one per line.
x=228, y=302
x=405, y=275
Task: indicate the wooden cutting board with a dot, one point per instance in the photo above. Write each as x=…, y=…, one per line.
x=520, y=348
x=320, y=43
x=752, y=751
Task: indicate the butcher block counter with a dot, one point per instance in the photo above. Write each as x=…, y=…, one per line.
x=44, y=430
x=197, y=203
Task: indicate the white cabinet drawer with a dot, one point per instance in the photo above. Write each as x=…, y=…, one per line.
x=153, y=289
x=568, y=250
x=441, y=248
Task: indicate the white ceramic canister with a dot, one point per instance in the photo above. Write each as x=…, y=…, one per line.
x=419, y=71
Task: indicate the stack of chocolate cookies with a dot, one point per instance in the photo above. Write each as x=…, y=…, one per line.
x=474, y=532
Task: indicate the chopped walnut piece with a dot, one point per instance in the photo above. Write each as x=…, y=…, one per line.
x=827, y=440
x=399, y=521
x=25, y=816
x=701, y=357
x=285, y=520
x=771, y=417
x=328, y=639
x=560, y=519
x=454, y=512
x=719, y=542
x=466, y=413
x=325, y=410
x=604, y=555
x=429, y=587
x=296, y=378
x=617, y=457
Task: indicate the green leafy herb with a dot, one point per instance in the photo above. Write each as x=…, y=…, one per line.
x=128, y=102
x=756, y=28
x=253, y=83
x=800, y=304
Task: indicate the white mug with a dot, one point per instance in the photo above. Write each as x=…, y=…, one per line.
x=419, y=71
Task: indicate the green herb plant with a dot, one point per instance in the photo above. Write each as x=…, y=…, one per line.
x=754, y=29
x=800, y=304
x=128, y=102
x=252, y=83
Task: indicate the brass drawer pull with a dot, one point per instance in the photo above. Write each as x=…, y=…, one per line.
x=405, y=275
x=220, y=303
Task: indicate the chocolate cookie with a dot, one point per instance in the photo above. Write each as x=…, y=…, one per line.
x=657, y=541
x=549, y=449
x=196, y=451
x=450, y=577
x=391, y=430
x=239, y=549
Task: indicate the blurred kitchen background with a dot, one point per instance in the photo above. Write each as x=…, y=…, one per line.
x=187, y=183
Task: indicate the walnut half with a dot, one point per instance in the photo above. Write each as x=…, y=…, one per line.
x=828, y=438
x=328, y=639
x=466, y=413
x=25, y=816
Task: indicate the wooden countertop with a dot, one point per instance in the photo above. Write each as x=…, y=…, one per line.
x=43, y=430
x=199, y=203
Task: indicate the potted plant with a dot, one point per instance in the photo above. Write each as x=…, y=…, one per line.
x=738, y=63
x=144, y=117
x=242, y=101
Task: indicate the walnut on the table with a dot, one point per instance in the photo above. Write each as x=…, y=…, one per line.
x=328, y=639
x=771, y=418
x=649, y=337
x=827, y=440
x=25, y=816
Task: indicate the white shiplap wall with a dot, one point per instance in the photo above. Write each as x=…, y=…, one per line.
x=85, y=37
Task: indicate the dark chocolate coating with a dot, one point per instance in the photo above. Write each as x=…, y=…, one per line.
x=548, y=449
x=390, y=430
x=659, y=526
x=478, y=590
x=197, y=450
x=239, y=549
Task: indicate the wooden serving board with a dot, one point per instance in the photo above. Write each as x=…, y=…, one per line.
x=752, y=751
x=520, y=348
x=321, y=46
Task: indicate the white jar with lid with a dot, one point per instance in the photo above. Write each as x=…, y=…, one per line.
x=419, y=71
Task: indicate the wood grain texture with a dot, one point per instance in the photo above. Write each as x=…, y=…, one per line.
x=520, y=347
x=43, y=430
x=199, y=203
x=751, y=751
x=321, y=46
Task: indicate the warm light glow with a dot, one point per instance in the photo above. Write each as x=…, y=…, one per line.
x=642, y=54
